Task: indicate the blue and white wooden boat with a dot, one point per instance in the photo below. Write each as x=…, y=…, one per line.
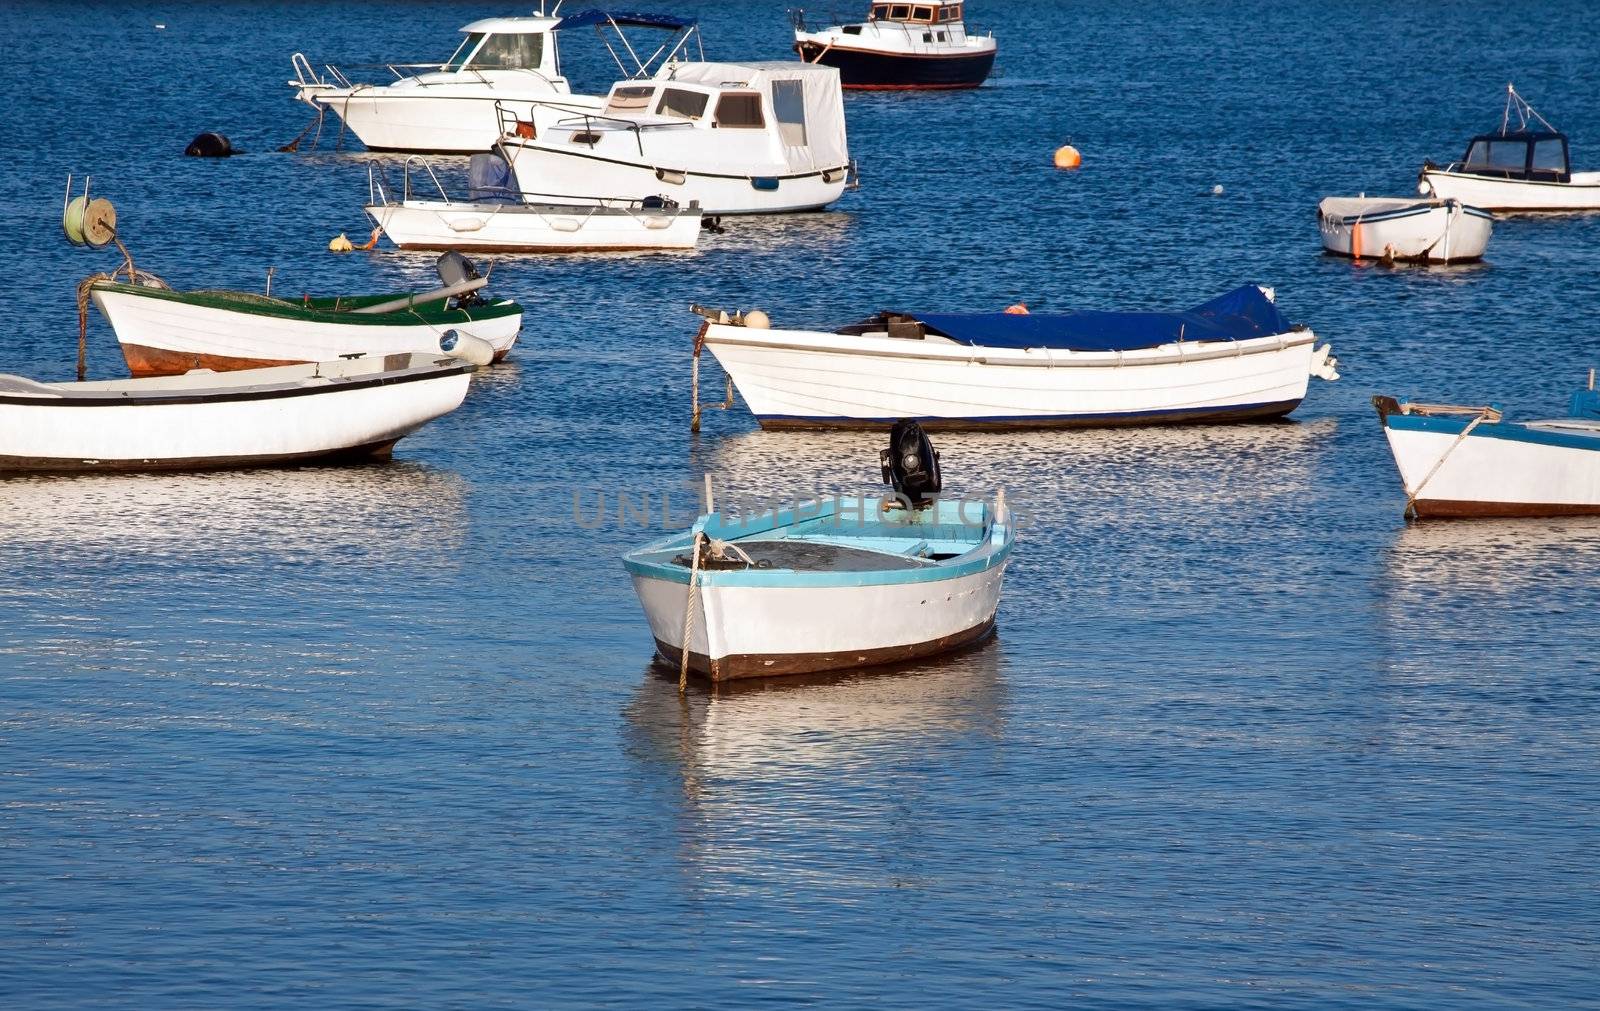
x=1470, y=461
x=825, y=585
x=1234, y=358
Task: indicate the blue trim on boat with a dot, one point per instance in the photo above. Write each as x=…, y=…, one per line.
x=1511, y=431
x=989, y=543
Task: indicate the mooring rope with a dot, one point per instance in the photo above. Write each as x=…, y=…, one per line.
x=1412, y=496
x=688, y=616
x=85, y=288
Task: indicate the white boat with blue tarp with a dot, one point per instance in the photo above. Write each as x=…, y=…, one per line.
x=1234, y=358
x=1458, y=461
x=1404, y=229
x=836, y=583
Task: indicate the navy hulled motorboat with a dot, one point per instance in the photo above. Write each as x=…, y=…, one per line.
x=901, y=46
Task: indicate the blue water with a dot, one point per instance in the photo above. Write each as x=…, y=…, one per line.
x=389, y=736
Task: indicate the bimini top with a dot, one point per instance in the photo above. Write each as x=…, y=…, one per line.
x=1241, y=314
x=626, y=19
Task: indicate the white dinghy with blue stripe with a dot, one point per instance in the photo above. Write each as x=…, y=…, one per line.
x=1458, y=461
x=1404, y=229
x=830, y=584
x=1236, y=357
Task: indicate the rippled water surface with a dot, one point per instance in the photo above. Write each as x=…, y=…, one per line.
x=389, y=735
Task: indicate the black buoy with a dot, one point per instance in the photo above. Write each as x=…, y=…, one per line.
x=209, y=145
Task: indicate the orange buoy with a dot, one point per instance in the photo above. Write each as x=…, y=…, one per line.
x=1020, y=309
x=1067, y=156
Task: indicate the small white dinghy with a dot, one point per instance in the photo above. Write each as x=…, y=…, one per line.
x=1404, y=229
x=1234, y=358
x=351, y=409
x=1469, y=461
x=831, y=584
x=1518, y=168
x=496, y=217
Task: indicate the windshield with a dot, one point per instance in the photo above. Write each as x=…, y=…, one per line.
x=630, y=100
x=459, y=58
x=523, y=51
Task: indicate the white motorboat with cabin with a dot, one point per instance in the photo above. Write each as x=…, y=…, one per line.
x=901, y=47
x=831, y=584
x=347, y=410
x=738, y=138
x=1457, y=461
x=1234, y=358
x=1521, y=167
x=512, y=63
x=497, y=217
x=1404, y=229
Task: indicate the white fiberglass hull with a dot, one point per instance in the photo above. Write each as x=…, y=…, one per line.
x=1491, y=194
x=159, y=334
x=1433, y=232
x=445, y=118
x=418, y=224
x=561, y=173
x=795, y=378
x=752, y=631
x=1498, y=469
x=180, y=423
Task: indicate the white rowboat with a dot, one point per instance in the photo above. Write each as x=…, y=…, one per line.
x=1404, y=229
x=351, y=409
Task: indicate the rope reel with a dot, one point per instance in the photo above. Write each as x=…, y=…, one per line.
x=89, y=221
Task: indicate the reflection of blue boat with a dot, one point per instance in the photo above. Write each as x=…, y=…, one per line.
x=847, y=582
x=1469, y=461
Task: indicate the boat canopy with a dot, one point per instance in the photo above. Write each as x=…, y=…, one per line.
x=1241, y=314
x=1538, y=155
x=805, y=100
x=626, y=19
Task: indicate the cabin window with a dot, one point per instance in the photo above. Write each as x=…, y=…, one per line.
x=682, y=104
x=1500, y=155
x=740, y=111
x=900, y=12
x=630, y=100
x=511, y=52
x=951, y=13
x=459, y=58
x=923, y=14
x=789, y=108
x=1548, y=156
x=880, y=11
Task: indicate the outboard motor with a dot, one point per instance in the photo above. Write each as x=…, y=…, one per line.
x=911, y=464
x=209, y=145
x=454, y=268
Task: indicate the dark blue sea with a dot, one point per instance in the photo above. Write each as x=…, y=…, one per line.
x=389, y=736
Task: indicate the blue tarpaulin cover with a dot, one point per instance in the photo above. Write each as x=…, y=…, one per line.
x=625, y=19
x=490, y=180
x=1241, y=314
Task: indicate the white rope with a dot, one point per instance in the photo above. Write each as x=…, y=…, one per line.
x=688, y=616
x=1411, y=497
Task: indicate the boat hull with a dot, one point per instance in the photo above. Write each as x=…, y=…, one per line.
x=1423, y=232
x=164, y=333
x=560, y=173
x=451, y=119
x=1500, y=469
x=802, y=379
x=248, y=426
x=872, y=70
x=1515, y=195
x=436, y=225
x=748, y=632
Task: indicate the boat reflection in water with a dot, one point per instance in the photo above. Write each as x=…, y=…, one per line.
x=797, y=728
x=389, y=511
x=1444, y=567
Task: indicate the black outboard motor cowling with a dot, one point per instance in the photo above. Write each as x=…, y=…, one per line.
x=454, y=268
x=911, y=464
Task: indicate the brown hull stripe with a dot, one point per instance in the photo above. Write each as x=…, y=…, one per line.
x=144, y=361
x=734, y=668
x=1454, y=509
